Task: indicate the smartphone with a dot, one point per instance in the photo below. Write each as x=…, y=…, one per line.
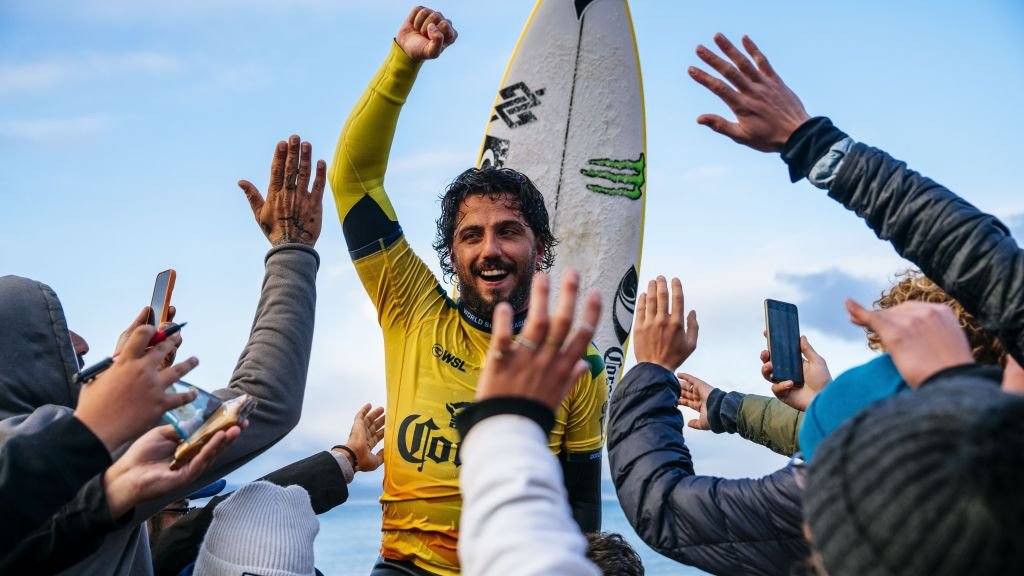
x=231, y=413
x=783, y=328
x=161, y=301
x=188, y=419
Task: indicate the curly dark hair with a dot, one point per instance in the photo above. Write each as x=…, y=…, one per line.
x=519, y=193
x=613, y=555
x=912, y=285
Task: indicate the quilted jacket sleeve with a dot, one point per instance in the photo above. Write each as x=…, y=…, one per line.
x=746, y=526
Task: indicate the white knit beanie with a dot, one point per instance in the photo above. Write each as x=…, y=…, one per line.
x=262, y=529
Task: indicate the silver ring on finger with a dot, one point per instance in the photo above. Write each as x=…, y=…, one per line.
x=526, y=343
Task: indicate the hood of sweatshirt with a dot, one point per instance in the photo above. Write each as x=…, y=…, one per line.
x=37, y=360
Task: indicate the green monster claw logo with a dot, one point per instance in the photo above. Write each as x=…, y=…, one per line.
x=626, y=176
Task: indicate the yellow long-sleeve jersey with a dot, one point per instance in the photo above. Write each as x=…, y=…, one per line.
x=434, y=348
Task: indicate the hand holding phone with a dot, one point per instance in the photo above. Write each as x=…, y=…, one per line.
x=783, y=330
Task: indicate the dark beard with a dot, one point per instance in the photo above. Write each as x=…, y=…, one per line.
x=483, y=307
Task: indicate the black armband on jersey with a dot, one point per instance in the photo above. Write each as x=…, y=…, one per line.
x=366, y=226
x=473, y=414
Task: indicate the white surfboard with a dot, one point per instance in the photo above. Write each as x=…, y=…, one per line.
x=570, y=115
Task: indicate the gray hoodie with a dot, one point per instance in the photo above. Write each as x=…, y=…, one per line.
x=37, y=364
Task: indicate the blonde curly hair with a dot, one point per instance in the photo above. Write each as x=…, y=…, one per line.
x=912, y=285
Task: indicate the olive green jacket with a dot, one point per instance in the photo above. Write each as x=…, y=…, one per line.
x=761, y=419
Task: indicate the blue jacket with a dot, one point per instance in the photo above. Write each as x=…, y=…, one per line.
x=722, y=526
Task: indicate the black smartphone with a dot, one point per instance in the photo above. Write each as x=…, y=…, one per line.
x=783, y=328
x=161, y=302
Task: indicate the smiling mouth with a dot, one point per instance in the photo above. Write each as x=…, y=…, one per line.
x=495, y=275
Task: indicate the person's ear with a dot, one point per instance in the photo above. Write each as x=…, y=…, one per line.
x=540, y=254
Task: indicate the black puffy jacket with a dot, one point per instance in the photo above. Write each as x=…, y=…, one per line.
x=722, y=526
x=969, y=253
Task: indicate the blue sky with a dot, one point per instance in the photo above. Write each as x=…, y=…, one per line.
x=125, y=125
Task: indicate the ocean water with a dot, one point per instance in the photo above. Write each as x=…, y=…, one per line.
x=349, y=537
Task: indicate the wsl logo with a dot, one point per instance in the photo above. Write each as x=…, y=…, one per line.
x=448, y=358
x=621, y=177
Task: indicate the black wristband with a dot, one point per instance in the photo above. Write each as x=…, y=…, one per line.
x=516, y=405
x=347, y=450
x=807, y=144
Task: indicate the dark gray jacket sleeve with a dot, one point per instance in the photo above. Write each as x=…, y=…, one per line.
x=272, y=366
x=966, y=251
x=969, y=253
x=747, y=526
x=73, y=533
x=41, y=472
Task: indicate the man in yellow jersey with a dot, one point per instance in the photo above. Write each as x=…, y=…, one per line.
x=493, y=234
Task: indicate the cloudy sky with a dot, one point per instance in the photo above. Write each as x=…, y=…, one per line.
x=125, y=125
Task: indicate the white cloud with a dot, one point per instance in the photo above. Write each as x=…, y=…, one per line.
x=17, y=77
x=55, y=130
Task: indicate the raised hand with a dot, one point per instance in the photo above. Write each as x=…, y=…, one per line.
x=544, y=362
x=693, y=393
x=816, y=377
x=367, y=432
x=425, y=34
x=126, y=399
x=921, y=337
x=291, y=213
x=142, y=473
x=767, y=111
x=658, y=333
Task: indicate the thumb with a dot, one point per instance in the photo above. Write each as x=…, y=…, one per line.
x=859, y=315
x=808, y=350
x=140, y=319
x=252, y=194
x=138, y=340
x=721, y=125
x=695, y=424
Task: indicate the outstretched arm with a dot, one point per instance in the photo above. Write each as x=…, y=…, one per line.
x=722, y=526
x=272, y=366
x=361, y=157
x=969, y=253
